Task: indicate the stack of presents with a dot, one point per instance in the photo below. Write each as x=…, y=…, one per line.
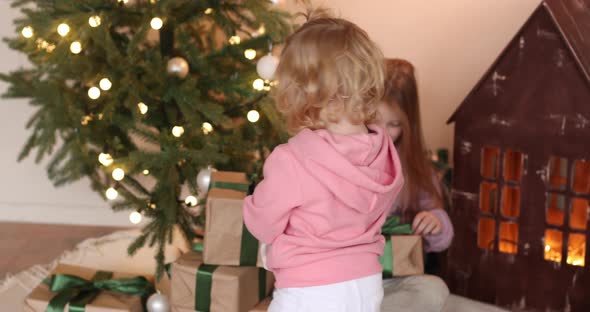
x=224, y=273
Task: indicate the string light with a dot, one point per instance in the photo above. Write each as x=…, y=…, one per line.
x=258, y=84
x=123, y=1
x=105, y=84
x=190, y=201
x=85, y=120
x=118, y=174
x=76, y=47
x=261, y=30
x=235, y=39
x=111, y=193
x=177, y=131
x=253, y=116
x=63, y=29
x=44, y=45
x=207, y=128
x=209, y=11
x=105, y=159
x=27, y=32
x=547, y=248
x=156, y=23
x=143, y=109
x=135, y=217
x=146, y=172
x=94, y=21
x=250, y=54
x=94, y=93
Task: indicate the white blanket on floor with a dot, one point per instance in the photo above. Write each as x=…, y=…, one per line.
x=110, y=253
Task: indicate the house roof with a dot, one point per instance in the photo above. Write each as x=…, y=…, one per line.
x=572, y=19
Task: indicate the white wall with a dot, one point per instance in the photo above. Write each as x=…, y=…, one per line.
x=26, y=194
x=450, y=42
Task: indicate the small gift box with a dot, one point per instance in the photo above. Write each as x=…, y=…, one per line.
x=227, y=240
x=203, y=287
x=403, y=254
x=73, y=288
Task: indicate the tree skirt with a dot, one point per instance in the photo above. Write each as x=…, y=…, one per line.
x=110, y=253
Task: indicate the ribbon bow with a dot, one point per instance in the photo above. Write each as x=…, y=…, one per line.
x=78, y=291
x=391, y=226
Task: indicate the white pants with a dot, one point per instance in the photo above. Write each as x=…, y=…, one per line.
x=359, y=295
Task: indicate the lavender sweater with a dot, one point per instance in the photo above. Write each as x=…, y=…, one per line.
x=441, y=241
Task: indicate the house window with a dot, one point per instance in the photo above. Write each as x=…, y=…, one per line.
x=567, y=209
x=498, y=225
x=489, y=162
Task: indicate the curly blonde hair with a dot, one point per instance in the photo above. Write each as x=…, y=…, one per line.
x=330, y=69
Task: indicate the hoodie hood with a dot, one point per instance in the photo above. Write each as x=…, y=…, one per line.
x=361, y=170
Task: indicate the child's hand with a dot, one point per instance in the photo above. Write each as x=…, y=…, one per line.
x=425, y=223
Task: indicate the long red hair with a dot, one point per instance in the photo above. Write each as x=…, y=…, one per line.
x=401, y=93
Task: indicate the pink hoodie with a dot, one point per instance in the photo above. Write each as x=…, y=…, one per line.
x=321, y=205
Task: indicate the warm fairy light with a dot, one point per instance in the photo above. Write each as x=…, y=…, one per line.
x=105, y=84
x=190, y=201
x=27, y=32
x=118, y=174
x=177, y=131
x=235, y=39
x=63, y=29
x=209, y=11
x=105, y=159
x=76, y=47
x=94, y=21
x=85, y=119
x=207, y=128
x=135, y=217
x=258, y=84
x=156, y=23
x=253, y=116
x=146, y=172
x=547, y=248
x=94, y=93
x=143, y=109
x=250, y=54
x=111, y=193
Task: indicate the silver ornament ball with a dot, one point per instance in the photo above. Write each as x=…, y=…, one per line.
x=266, y=66
x=178, y=67
x=204, y=179
x=158, y=303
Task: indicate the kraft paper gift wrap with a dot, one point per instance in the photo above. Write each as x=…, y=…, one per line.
x=403, y=254
x=227, y=240
x=79, y=293
x=201, y=287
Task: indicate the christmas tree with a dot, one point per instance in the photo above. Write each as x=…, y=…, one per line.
x=142, y=96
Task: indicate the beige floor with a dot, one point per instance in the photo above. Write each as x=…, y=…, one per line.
x=23, y=245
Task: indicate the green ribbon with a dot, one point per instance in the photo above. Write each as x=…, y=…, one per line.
x=240, y=187
x=248, y=248
x=248, y=244
x=392, y=226
x=198, y=247
x=203, y=287
x=78, y=292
